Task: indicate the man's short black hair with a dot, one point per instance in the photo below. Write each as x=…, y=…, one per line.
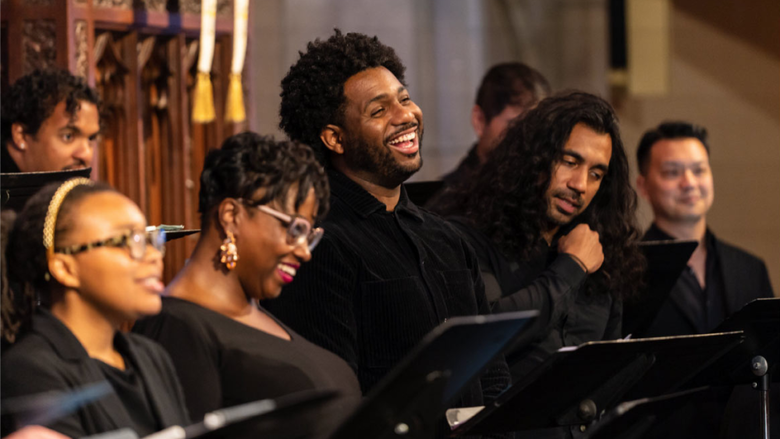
x=510, y=84
x=666, y=131
x=313, y=90
x=32, y=98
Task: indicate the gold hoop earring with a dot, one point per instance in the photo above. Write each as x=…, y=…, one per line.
x=228, y=251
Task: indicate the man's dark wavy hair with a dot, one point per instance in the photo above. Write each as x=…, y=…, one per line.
x=32, y=98
x=248, y=161
x=508, y=203
x=313, y=90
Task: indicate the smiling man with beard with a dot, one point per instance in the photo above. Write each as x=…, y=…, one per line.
x=386, y=272
x=551, y=217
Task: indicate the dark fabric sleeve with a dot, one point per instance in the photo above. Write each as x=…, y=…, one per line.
x=765, y=285
x=552, y=292
x=614, y=329
x=31, y=374
x=326, y=284
x=195, y=360
x=496, y=377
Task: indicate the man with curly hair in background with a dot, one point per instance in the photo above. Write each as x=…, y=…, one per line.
x=50, y=122
x=386, y=272
x=552, y=219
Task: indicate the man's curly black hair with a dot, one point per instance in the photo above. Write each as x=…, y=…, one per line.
x=313, y=90
x=32, y=98
x=508, y=199
x=248, y=161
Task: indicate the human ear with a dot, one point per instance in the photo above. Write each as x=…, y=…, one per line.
x=640, y=186
x=65, y=270
x=18, y=137
x=478, y=121
x=331, y=137
x=227, y=215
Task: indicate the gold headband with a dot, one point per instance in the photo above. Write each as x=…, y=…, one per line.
x=54, y=208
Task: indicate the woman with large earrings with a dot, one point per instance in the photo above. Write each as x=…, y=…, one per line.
x=259, y=199
x=83, y=251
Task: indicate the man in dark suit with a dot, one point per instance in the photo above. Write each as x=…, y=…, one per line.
x=675, y=177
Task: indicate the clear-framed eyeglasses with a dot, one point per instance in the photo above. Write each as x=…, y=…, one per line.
x=134, y=240
x=299, y=229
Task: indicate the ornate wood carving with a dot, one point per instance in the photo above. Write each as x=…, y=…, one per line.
x=153, y=5
x=82, y=64
x=119, y=4
x=224, y=7
x=111, y=82
x=39, y=42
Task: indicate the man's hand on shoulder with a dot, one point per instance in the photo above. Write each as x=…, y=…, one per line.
x=583, y=244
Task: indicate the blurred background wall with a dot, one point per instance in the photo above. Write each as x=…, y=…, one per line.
x=713, y=62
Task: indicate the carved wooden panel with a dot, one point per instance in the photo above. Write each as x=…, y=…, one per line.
x=82, y=65
x=119, y=4
x=39, y=42
x=224, y=7
x=115, y=79
x=152, y=5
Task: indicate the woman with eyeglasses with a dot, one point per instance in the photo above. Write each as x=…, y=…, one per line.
x=259, y=199
x=79, y=264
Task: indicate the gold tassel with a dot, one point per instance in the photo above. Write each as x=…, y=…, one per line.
x=234, y=107
x=203, y=100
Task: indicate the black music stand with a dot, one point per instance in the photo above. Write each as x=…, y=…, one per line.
x=410, y=400
x=263, y=418
x=18, y=187
x=419, y=192
x=44, y=408
x=666, y=260
x=632, y=419
x=576, y=385
x=756, y=360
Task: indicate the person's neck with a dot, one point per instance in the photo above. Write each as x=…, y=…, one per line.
x=483, y=151
x=92, y=328
x=205, y=281
x=683, y=229
x=387, y=196
x=549, y=234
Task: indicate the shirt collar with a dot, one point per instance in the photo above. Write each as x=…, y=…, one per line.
x=362, y=202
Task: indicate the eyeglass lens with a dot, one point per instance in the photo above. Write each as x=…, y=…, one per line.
x=139, y=240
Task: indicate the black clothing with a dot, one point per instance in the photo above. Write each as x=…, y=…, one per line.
x=379, y=281
x=222, y=362
x=734, y=278
x=7, y=164
x=737, y=277
x=550, y=282
x=131, y=390
x=50, y=358
x=442, y=200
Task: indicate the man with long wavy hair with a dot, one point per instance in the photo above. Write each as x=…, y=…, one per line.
x=552, y=219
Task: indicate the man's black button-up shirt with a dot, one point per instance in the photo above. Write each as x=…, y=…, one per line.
x=379, y=281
